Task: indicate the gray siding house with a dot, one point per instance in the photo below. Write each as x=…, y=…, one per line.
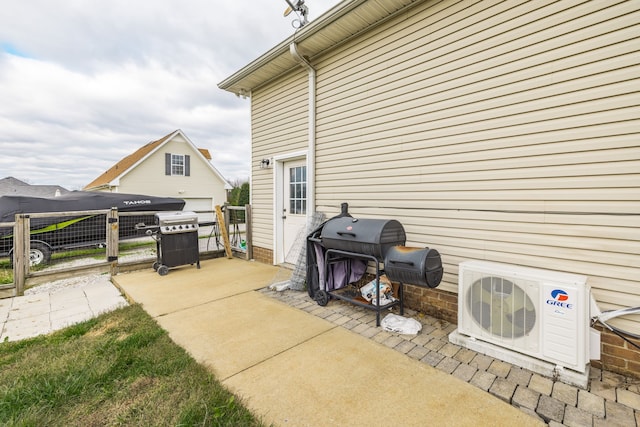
x=11, y=186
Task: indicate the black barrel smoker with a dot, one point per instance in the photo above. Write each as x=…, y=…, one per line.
x=340, y=250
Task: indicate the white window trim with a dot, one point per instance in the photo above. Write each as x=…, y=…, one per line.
x=175, y=165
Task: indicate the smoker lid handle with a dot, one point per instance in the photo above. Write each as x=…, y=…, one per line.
x=341, y=233
x=395, y=261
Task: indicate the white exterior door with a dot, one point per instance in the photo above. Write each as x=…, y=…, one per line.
x=294, y=208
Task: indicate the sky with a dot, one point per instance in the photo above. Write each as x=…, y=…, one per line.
x=85, y=83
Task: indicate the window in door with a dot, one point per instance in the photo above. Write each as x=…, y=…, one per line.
x=298, y=190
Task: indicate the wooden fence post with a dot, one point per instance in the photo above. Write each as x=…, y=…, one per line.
x=21, y=249
x=113, y=221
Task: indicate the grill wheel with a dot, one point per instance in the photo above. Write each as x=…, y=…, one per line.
x=322, y=298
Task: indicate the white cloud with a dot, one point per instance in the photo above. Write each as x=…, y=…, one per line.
x=83, y=84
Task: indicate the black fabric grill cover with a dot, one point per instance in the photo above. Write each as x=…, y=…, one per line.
x=371, y=237
x=416, y=266
x=316, y=252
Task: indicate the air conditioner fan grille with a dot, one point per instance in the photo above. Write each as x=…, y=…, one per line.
x=501, y=307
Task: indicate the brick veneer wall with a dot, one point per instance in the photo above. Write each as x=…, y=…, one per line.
x=617, y=355
x=263, y=255
x=437, y=303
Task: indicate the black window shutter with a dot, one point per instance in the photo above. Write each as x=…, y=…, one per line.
x=187, y=165
x=167, y=163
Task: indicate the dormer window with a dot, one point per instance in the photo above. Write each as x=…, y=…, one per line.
x=176, y=164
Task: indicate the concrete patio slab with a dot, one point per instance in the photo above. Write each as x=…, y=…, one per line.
x=26, y=327
x=236, y=333
x=188, y=286
x=339, y=378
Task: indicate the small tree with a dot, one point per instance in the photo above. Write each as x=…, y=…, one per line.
x=239, y=197
x=243, y=195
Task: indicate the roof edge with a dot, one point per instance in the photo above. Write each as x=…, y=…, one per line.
x=329, y=17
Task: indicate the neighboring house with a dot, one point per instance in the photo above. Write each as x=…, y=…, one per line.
x=11, y=186
x=501, y=131
x=171, y=166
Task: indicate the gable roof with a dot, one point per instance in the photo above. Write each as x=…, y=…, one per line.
x=339, y=24
x=129, y=162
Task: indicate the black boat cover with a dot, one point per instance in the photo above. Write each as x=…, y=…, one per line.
x=85, y=201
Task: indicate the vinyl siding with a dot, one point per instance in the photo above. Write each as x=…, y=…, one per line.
x=502, y=131
x=279, y=125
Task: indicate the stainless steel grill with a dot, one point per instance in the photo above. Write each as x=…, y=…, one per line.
x=177, y=222
x=176, y=235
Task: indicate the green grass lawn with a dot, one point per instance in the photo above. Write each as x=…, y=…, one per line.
x=6, y=275
x=118, y=369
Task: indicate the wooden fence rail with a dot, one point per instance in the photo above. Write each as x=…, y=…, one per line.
x=25, y=276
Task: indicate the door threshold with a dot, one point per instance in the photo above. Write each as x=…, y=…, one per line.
x=287, y=265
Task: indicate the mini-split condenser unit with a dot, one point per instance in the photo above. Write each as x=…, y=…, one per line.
x=535, y=318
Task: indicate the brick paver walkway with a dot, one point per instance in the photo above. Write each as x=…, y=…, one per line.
x=609, y=400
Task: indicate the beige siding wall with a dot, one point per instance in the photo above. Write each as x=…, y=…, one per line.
x=149, y=177
x=279, y=123
x=503, y=131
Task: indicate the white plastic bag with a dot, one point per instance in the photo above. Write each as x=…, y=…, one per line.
x=401, y=325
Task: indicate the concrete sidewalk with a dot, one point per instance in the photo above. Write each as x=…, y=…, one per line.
x=293, y=368
x=47, y=311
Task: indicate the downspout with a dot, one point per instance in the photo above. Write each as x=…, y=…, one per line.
x=311, y=150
